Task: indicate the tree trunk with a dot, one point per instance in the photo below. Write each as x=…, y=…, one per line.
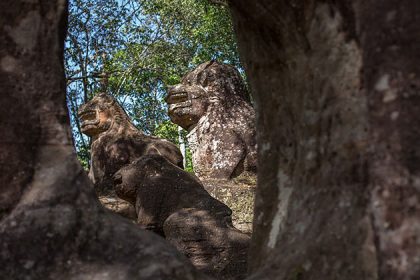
x=336, y=86
x=182, y=147
x=52, y=226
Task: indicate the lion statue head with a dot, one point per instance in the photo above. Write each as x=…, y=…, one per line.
x=211, y=85
x=101, y=114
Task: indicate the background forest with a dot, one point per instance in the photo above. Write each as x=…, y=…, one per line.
x=134, y=50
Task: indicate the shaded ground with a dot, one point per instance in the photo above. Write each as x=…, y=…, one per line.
x=239, y=195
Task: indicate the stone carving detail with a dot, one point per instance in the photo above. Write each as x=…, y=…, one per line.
x=116, y=141
x=212, y=104
x=174, y=204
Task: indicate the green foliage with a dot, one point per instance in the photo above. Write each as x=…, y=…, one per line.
x=168, y=130
x=188, y=159
x=83, y=156
x=134, y=49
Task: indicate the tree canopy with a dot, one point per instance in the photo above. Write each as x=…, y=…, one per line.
x=134, y=49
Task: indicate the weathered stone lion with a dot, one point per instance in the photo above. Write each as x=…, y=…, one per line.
x=116, y=141
x=174, y=204
x=212, y=104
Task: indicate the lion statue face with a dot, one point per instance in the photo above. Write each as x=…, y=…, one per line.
x=186, y=104
x=211, y=84
x=97, y=115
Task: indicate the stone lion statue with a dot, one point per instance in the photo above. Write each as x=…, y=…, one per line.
x=212, y=104
x=173, y=203
x=116, y=141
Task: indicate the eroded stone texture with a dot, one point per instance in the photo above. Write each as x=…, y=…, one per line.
x=51, y=223
x=116, y=141
x=174, y=204
x=212, y=104
x=336, y=86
